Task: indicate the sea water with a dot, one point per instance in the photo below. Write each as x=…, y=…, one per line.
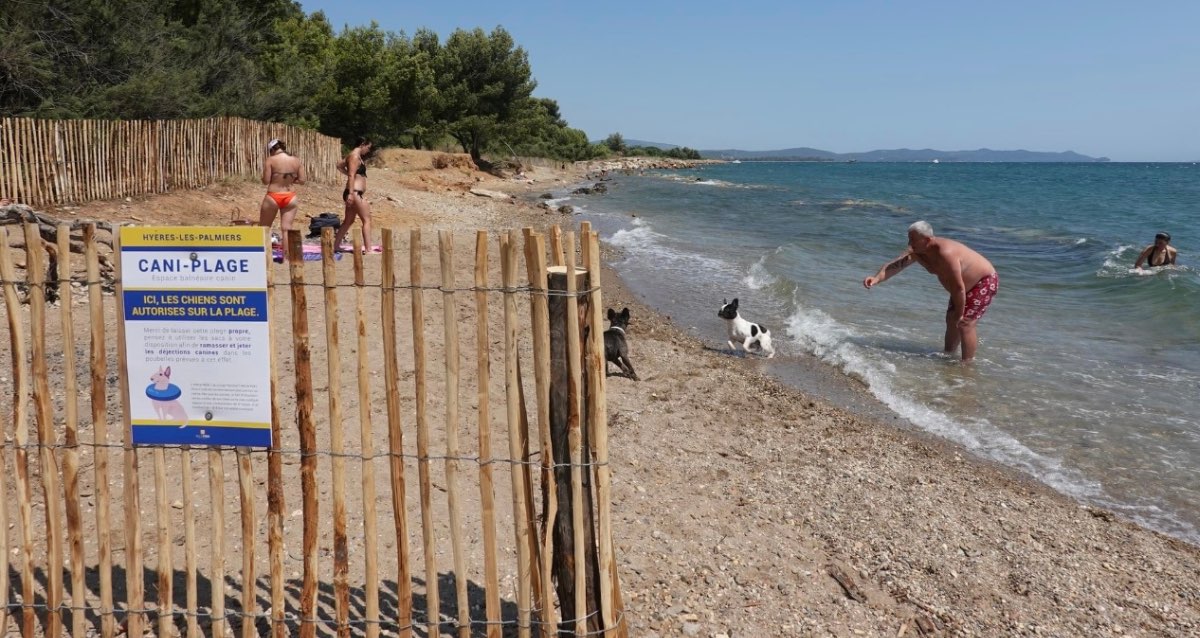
x=1088, y=371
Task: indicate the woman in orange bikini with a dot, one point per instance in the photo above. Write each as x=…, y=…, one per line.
x=354, y=167
x=281, y=172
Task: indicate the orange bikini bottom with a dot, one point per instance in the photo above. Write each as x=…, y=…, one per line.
x=282, y=199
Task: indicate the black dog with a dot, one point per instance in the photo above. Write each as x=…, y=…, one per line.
x=616, y=348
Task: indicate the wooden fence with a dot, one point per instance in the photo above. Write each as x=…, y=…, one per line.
x=105, y=537
x=46, y=162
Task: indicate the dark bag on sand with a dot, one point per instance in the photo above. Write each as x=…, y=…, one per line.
x=324, y=220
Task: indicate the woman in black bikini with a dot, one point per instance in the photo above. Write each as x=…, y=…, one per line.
x=354, y=167
x=1160, y=253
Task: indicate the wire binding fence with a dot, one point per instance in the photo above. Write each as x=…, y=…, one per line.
x=292, y=620
x=129, y=538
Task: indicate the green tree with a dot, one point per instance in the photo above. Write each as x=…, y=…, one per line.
x=615, y=143
x=192, y=58
x=154, y=71
x=268, y=60
x=297, y=70
x=362, y=64
x=135, y=58
x=646, y=151
x=28, y=43
x=483, y=84
x=412, y=87
x=54, y=54
x=683, y=152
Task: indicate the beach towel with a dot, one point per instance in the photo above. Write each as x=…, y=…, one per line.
x=350, y=248
x=309, y=252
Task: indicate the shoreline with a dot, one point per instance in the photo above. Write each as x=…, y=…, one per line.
x=744, y=506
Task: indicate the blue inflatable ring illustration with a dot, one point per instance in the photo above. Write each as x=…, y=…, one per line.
x=170, y=394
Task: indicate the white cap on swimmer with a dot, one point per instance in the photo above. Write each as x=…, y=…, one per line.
x=271, y=145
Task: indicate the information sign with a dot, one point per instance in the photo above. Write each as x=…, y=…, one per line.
x=197, y=337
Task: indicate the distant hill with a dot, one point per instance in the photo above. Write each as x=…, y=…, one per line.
x=900, y=155
x=660, y=145
x=803, y=153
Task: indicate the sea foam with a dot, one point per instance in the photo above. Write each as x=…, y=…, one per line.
x=640, y=240
x=834, y=343
x=759, y=277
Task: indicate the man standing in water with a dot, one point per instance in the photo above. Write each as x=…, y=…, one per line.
x=965, y=274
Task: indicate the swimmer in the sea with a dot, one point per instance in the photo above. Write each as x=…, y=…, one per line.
x=1160, y=253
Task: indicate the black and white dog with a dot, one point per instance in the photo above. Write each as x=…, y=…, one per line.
x=751, y=336
x=616, y=348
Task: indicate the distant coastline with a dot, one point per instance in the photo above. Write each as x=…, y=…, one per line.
x=822, y=160
x=901, y=155
x=808, y=154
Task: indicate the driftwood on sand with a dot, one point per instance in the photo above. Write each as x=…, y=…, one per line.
x=48, y=228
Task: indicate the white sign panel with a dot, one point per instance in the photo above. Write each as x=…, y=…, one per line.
x=197, y=337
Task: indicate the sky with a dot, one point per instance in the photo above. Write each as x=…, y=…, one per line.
x=1102, y=78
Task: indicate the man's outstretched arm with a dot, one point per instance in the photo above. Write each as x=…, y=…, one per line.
x=889, y=269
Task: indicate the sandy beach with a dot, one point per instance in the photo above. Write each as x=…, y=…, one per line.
x=744, y=507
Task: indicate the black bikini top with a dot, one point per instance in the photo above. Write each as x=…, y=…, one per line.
x=362, y=169
x=1154, y=253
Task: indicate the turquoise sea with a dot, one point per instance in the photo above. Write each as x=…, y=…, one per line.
x=1088, y=372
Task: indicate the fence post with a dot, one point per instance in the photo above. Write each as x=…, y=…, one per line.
x=450, y=327
x=508, y=261
x=432, y=597
x=165, y=569
x=249, y=579
x=333, y=360
x=611, y=607
x=189, y=544
x=135, y=589
x=9, y=182
x=275, y=500
x=99, y=381
x=391, y=375
x=367, y=447
x=13, y=338
x=487, y=496
x=216, y=576
x=556, y=247
x=71, y=451
x=574, y=560
x=20, y=432
x=308, y=433
x=47, y=441
x=582, y=541
x=535, y=265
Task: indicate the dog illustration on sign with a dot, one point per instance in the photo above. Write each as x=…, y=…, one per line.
x=165, y=397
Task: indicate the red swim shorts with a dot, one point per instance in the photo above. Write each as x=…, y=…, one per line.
x=979, y=297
